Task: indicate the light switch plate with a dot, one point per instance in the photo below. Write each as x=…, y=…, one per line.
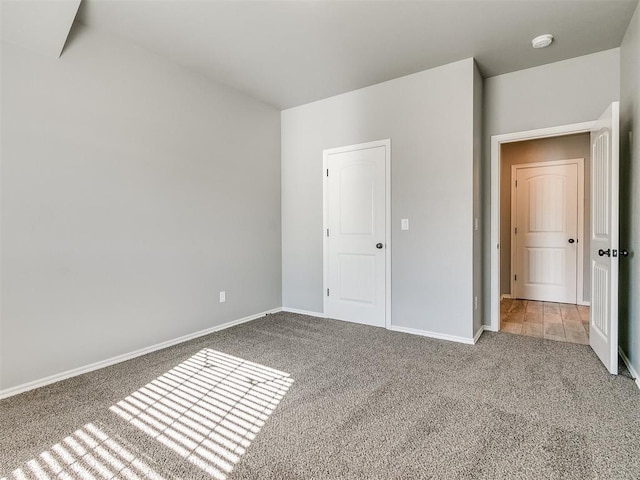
x=404, y=224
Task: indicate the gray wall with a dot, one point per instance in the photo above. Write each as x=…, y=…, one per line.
x=534, y=151
x=133, y=191
x=429, y=118
x=630, y=192
x=561, y=93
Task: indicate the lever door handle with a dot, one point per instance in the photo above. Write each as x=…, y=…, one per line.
x=606, y=252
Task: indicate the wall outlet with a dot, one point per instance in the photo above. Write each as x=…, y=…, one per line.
x=223, y=296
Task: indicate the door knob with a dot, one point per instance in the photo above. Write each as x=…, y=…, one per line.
x=624, y=252
x=571, y=240
x=606, y=252
x=379, y=245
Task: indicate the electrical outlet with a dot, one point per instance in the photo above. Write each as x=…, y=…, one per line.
x=223, y=296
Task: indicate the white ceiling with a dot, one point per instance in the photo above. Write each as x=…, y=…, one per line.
x=287, y=53
x=38, y=25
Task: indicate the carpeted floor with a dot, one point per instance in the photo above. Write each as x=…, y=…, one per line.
x=289, y=396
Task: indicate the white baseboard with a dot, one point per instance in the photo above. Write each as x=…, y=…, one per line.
x=476, y=337
x=632, y=370
x=425, y=333
x=9, y=392
x=505, y=295
x=584, y=303
x=489, y=328
x=303, y=312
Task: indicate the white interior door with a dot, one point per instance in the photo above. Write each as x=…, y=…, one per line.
x=356, y=250
x=603, y=329
x=546, y=232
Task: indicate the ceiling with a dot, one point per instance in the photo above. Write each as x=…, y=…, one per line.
x=37, y=25
x=288, y=53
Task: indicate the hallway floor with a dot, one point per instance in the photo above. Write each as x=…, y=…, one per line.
x=554, y=321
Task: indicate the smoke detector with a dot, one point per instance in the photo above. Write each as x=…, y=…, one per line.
x=542, y=41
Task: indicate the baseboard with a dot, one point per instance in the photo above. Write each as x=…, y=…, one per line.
x=303, y=312
x=627, y=362
x=489, y=328
x=439, y=336
x=584, y=303
x=9, y=392
x=505, y=295
x=476, y=337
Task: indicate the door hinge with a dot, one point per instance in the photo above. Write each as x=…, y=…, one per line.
x=515, y=230
x=327, y=232
x=515, y=278
x=327, y=172
x=516, y=183
x=327, y=292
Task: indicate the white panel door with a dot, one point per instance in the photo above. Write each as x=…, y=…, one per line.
x=603, y=325
x=546, y=233
x=356, y=228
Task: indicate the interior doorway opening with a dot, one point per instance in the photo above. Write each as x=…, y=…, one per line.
x=544, y=225
x=545, y=219
x=567, y=142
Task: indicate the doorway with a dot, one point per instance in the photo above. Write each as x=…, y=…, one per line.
x=603, y=233
x=525, y=149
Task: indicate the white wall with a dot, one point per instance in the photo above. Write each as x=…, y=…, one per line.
x=630, y=192
x=561, y=93
x=133, y=191
x=429, y=118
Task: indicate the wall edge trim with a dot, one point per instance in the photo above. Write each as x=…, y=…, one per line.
x=436, y=335
x=627, y=362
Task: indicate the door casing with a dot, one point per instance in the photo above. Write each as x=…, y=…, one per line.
x=581, y=233
x=325, y=219
x=496, y=142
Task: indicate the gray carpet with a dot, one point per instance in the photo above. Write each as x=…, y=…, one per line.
x=289, y=396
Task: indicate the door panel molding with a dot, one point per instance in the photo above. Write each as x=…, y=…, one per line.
x=386, y=143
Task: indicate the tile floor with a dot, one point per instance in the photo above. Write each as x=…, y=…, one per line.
x=554, y=321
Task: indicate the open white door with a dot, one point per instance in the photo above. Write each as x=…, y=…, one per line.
x=603, y=330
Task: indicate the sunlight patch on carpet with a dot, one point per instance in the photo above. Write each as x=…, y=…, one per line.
x=208, y=409
x=87, y=454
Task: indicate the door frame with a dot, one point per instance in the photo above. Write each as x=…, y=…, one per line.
x=496, y=142
x=580, y=226
x=387, y=215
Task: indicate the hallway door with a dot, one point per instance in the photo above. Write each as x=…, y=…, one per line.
x=545, y=231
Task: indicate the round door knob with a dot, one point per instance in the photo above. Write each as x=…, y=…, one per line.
x=379, y=245
x=571, y=240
